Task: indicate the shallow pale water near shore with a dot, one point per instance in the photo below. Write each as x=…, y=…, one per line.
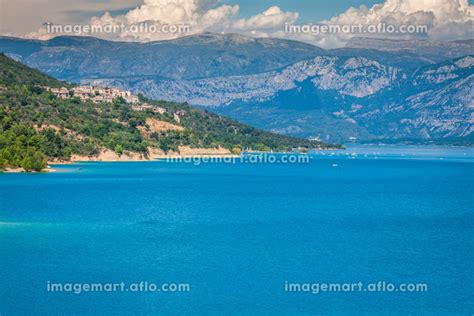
x=237, y=232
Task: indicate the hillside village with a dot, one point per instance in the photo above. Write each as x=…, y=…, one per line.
x=96, y=94
x=100, y=94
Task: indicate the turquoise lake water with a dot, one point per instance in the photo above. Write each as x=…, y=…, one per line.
x=237, y=232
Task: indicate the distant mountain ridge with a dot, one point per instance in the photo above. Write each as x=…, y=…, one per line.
x=369, y=91
x=198, y=56
x=434, y=51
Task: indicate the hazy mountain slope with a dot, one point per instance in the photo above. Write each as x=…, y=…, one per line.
x=197, y=56
x=207, y=55
x=434, y=102
x=433, y=51
x=356, y=76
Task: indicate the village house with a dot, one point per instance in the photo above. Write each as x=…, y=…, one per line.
x=178, y=115
x=146, y=106
x=62, y=92
x=96, y=94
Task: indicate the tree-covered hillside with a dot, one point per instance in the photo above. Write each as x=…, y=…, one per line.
x=13, y=73
x=36, y=126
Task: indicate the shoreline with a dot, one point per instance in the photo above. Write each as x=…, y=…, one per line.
x=155, y=158
x=155, y=155
x=48, y=169
x=108, y=156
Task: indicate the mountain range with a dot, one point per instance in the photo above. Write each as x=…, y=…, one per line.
x=371, y=90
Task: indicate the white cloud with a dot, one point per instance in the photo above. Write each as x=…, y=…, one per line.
x=446, y=19
x=199, y=15
x=273, y=19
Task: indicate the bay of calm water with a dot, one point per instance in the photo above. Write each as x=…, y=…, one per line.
x=237, y=232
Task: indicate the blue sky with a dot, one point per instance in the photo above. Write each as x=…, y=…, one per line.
x=309, y=10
